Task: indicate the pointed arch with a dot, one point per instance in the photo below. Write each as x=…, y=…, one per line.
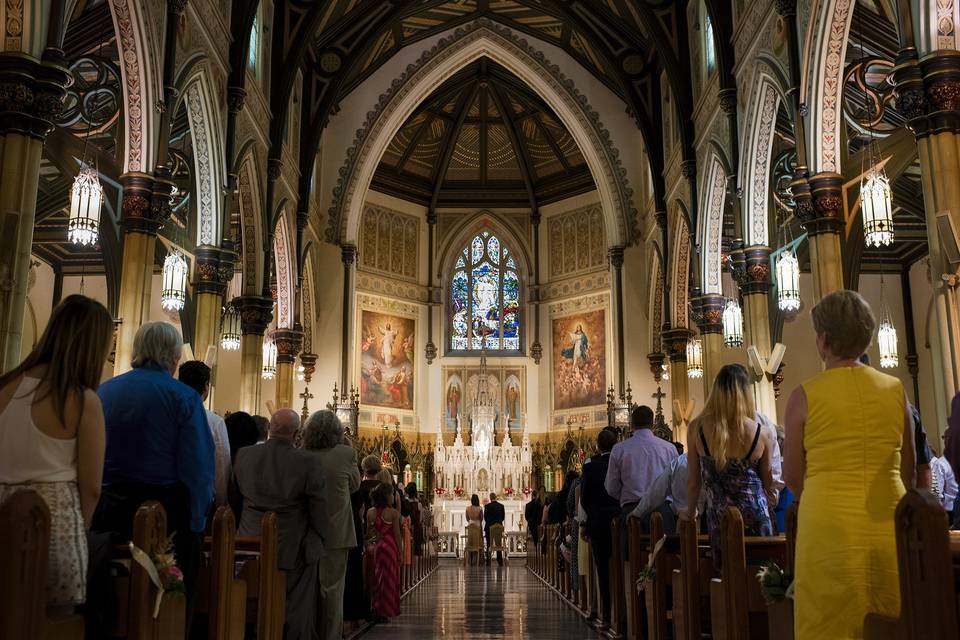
x=451, y=55
x=251, y=225
x=710, y=234
x=284, y=272
x=655, y=299
x=679, y=254
x=757, y=161
x=307, y=303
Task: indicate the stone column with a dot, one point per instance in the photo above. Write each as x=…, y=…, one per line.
x=616, y=261
x=711, y=335
x=289, y=342
x=30, y=99
x=256, y=312
x=928, y=94
x=212, y=272
x=751, y=268
x=675, y=343
x=146, y=206
x=433, y=295
x=536, y=349
x=348, y=253
x=820, y=209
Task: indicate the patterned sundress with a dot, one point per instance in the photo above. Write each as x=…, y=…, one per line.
x=386, y=598
x=738, y=485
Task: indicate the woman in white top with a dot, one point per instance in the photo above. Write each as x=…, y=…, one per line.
x=474, y=512
x=52, y=436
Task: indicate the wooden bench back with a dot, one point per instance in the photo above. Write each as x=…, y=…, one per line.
x=266, y=583
x=219, y=593
x=686, y=584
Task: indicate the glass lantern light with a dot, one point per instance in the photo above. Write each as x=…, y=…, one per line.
x=732, y=325
x=269, y=360
x=666, y=372
x=231, y=333
x=86, y=196
x=875, y=202
x=694, y=358
x=174, y=293
x=788, y=281
x=887, y=341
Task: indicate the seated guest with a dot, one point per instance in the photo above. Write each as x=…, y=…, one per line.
x=729, y=455
x=384, y=519
x=196, y=375
x=277, y=477
x=667, y=494
x=159, y=448
x=533, y=514
x=323, y=437
x=848, y=458
x=241, y=431
x=51, y=436
x=602, y=509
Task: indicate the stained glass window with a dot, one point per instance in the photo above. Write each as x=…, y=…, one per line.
x=254, y=53
x=485, y=297
x=709, y=44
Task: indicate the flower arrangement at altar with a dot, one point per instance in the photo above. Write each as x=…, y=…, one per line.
x=458, y=491
x=508, y=491
x=526, y=492
x=439, y=491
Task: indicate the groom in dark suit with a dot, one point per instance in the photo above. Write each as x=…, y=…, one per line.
x=493, y=514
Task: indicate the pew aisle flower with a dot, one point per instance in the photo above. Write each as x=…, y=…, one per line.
x=162, y=569
x=776, y=585
x=649, y=572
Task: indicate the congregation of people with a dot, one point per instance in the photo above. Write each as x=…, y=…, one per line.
x=96, y=452
x=851, y=445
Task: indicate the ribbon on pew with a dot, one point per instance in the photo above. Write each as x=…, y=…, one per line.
x=141, y=558
x=648, y=573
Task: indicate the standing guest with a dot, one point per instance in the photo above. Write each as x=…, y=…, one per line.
x=263, y=425
x=533, y=514
x=278, y=477
x=573, y=534
x=323, y=436
x=416, y=523
x=601, y=510
x=729, y=454
x=196, y=375
x=637, y=461
x=493, y=513
x=667, y=494
x=951, y=438
x=51, y=436
x=159, y=448
x=356, y=602
x=944, y=485
x=557, y=512
x=849, y=455
x=241, y=432
x=384, y=519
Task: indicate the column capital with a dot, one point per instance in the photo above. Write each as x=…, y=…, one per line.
x=688, y=169
x=728, y=101
x=236, y=96
x=146, y=202
x=274, y=168
x=711, y=313
x=819, y=201
x=289, y=342
x=309, y=362
x=616, y=257
x=256, y=313
x=213, y=269
x=31, y=93
x=660, y=217
x=675, y=343
x=756, y=270
x=786, y=8
x=656, y=365
x=348, y=254
x=177, y=6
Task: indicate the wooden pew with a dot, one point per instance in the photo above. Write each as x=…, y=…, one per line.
x=691, y=582
x=780, y=614
x=219, y=594
x=136, y=594
x=929, y=561
x=659, y=596
x=737, y=608
x=24, y=547
x=266, y=583
x=617, y=595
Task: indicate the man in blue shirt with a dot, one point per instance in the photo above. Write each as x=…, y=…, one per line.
x=158, y=448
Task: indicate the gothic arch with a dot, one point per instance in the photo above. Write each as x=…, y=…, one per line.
x=307, y=303
x=755, y=171
x=655, y=299
x=483, y=221
x=481, y=39
x=284, y=272
x=679, y=254
x=251, y=224
x=710, y=234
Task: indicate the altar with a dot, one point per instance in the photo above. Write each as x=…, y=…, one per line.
x=450, y=515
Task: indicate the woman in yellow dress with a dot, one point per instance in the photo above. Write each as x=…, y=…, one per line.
x=848, y=454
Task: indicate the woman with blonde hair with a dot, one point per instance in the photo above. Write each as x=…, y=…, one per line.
x=729, y=455
x=52, y=436
x=849, y=450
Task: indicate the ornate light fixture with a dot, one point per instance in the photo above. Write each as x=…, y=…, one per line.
x=86, y=196
x=887, y=341
x=269, y=369
x=231, y=333
x=301, y=372
x=788, y=281
x=666, y=372
x=174, y=293
x=875, y=203
x=694, y=358
x=732, y=324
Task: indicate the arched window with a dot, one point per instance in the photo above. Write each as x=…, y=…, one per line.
x=709, y=44
x=485, y=297
x=254, y=54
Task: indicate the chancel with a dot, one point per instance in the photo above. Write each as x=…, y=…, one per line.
x=603, y=287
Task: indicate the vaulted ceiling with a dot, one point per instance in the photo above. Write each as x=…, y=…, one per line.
x=483, y=138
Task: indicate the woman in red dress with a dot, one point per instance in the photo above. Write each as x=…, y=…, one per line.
x=384, y=519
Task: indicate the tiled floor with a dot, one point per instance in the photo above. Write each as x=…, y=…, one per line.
x=483, y=602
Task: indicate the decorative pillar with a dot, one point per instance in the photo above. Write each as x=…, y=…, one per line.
x=536, y=349
x=288, y=343
x=928, y=95
x=675, y=343
x=348, y=253
x=430, y=350
x=751, y=269
x=710, y=322
x=616, y=261
x=31, y=99
x=213, y=270
x=820, y=209
x=256, y=312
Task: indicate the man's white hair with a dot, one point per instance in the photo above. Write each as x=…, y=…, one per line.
x=159, y=342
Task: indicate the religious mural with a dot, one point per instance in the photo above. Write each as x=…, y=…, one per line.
x=579, y=360
x=386, y=360
x=505, y=385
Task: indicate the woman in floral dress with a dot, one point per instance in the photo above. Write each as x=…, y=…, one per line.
x=383, y=525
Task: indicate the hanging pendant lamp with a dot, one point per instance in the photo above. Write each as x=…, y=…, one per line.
x=173, y=296
x=694, y=359
x=269, y=360
x=788, y=281
x=86, y=196
x=230, y=336
x=732, y=325
x=875, y=203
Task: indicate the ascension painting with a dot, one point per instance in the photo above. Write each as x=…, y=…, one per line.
x=386, y=360
x=579, y=360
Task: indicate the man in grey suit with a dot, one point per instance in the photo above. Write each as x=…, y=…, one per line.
x=275, y=476
x=323, y=438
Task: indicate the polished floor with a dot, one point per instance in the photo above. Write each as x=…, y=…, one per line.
x=483, y=602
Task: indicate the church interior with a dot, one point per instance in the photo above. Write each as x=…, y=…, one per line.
x=482, y=232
